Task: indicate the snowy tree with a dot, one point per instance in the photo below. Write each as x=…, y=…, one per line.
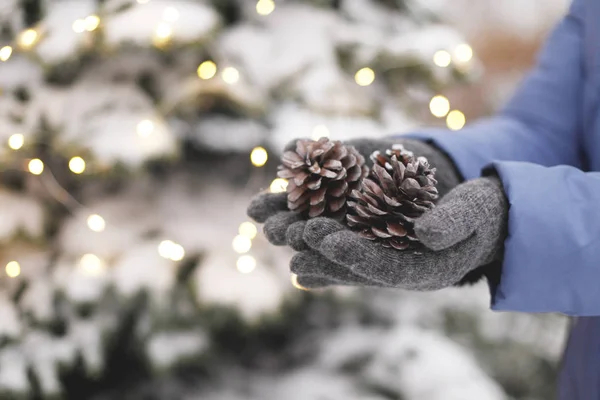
x=134, y=134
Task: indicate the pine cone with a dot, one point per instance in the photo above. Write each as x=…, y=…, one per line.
x=398, y=189
x=321, y=176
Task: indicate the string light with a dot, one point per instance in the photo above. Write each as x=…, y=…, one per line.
x=442, y=58
x=259, y=156
x=207, y=70
x=230, y=75
x=28, y=38
x=456, y=120
x=364, y=76
x=162, y=34
x=246, y=264
x=145, y=128
x=77, y=165
x=439, y=106
x=78, y=25
x=96, y=223
x=16, y=141
x=463, y=53
x=36, y=166
x=320, y=131
x=265, y=7
x=171, y=250
x=295, y=283
x=13, y=269
x=5, y=53
x=241, y=244
x=279, y=185
x=91, y=264
x=92, y=22
x=248, y=229
x=170, y=14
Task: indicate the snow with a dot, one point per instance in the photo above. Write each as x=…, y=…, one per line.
x=37, y=300
x=168, y=348
x=13, y=371
x=19, y=214
x=88, y=339
x=143, y=269
x=11, y=325
x=137, y=24
x=61, y=42
x=409, y=359
x=253, y=295
x=222, y=133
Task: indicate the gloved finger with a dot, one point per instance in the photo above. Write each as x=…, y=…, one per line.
x=314, y=264
x=318, y=228
x=459, y=214
x=275, y=227
x=345, y=247
x=294, y=236
x=266, y=205
x=314, y=282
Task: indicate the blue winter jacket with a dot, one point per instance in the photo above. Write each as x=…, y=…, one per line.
x=545, y=147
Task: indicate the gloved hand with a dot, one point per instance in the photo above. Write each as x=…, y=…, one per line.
x=272, y=210
x=465, y=231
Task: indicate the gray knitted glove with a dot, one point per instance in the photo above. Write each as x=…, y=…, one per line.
x=465, y=231
x=272, y=208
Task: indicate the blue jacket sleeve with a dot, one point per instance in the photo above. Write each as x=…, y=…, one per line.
x=543, y=121
x=552, y=252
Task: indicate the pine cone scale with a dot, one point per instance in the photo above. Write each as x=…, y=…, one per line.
x=321, y=174
x=398, y=190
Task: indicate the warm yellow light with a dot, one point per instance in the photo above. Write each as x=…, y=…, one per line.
x=259, y=156
x=92, y=22
x=364, y=76
x=320, y=131
x=91, y=264
x=207, y=70
x=5, y=53
x=96, y=223
x=455, y=120
x=36, y=166
x=171, y=250
x=78, y=25
x=248, y=229
x=439, y=106
x=241, y=244
x=463, y=53
x=162, y=34
x=265, y=7
x=246, y=264
x=442, y=58
x=297, y=285
x=77, y=165
x=145, y=128
x=230, y=75
x=16, y=141
x=177, y=252
x=28, y=38
x=170, y=14
x=13, y=269
x=279, y=185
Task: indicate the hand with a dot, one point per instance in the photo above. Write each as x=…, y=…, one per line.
x=465, y=231
x=272, y=210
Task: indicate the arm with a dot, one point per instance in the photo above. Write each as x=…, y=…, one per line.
x=542, y=123
x=552, y=252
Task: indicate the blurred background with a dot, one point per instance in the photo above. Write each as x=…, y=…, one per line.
x=134, y=133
